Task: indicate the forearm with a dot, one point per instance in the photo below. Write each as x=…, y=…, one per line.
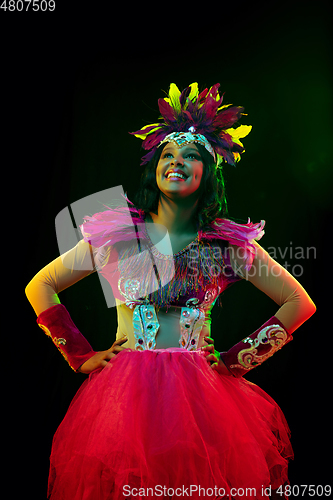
x=277, y=283
x=253, y=350
x=295, y=308
x=53, y=317
x=58, y=325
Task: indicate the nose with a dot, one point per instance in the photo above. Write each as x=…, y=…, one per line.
x=177, y=161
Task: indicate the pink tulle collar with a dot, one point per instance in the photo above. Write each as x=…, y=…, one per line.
x=115, y=225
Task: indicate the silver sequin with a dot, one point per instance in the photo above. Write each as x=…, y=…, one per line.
x=145, y=326
x=191, y=323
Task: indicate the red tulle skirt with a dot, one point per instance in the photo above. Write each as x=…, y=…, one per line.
x=160, y=424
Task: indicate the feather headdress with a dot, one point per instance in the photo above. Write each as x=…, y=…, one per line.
x=197, y=115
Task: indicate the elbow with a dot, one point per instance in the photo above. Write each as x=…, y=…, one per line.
x=308, y=310
x=310, y=306
x=313, y=309
x=305, y=308
x=28, y=290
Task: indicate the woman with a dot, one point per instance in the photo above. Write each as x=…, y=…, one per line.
x=163, y=413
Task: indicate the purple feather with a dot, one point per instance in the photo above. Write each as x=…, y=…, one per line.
x=228, y=117
x=155, y=138
x=167, y=111
x=184, y=95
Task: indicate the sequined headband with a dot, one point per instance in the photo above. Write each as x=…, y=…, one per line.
x=190, y=117
x=181, y=139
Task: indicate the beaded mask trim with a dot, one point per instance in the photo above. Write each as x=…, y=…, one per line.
x=181, y=139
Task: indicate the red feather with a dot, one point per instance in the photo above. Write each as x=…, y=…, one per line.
x=166, y=111
x=227, y=117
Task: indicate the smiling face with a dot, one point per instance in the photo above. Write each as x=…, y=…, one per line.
x=179, y=171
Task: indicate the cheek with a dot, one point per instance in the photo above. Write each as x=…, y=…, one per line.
x=158, y=174
x=159, y=168
x=199, y=173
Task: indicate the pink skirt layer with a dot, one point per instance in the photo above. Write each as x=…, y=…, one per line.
x=162, y=423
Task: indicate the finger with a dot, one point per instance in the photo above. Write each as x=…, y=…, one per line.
x=209, y=340
x=109, y=355
x=212, y=358
x=119, y=342
x=209, y=349
x=117, y=349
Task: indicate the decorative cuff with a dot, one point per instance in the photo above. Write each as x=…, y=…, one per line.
x=57, y=324
x=255, y=349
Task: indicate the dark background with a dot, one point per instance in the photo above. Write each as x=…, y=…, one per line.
x=74, y=83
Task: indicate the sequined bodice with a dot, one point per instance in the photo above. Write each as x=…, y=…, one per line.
x=147, y=280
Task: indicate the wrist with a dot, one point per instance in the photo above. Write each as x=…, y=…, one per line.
x=224, y=365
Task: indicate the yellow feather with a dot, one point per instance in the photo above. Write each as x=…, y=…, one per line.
x=173, y=99
x=174, y=95
x=237, y=133
x=143, y=136
x=194, y=91
x=224, y=106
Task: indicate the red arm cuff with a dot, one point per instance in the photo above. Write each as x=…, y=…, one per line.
x=255, y=349
x=57, y=324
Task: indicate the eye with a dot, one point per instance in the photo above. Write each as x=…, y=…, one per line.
x=166, y=155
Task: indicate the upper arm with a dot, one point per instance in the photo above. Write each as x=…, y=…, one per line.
x=277, y=283
x=61, y=273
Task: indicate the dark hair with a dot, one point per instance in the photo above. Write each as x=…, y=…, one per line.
x=212, y=202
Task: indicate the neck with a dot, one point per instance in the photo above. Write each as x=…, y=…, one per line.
x=176, y=215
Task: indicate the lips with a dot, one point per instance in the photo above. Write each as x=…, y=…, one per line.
x=175, y=173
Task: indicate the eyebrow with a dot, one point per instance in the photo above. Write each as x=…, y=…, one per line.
x=188, y=148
